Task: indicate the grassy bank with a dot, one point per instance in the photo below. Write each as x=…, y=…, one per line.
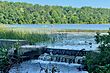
x=32, y=37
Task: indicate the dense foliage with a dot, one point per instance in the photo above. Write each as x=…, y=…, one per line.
x=24, y=13
x=3, y=58
x=7, y=59
x=99, y=62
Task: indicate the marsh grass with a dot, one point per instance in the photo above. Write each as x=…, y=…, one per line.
x=31, y=37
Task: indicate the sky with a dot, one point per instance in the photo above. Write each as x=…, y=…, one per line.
x=73, y=3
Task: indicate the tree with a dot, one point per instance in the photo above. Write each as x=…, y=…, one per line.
x=25, y=13
x=99, y=62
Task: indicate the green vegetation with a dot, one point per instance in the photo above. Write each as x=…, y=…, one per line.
x=7, y=60
x=99, y=62
x=24, y=13
x=3, y=58
x=31, y=37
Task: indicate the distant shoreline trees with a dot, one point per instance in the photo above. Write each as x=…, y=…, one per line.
x=24, y=13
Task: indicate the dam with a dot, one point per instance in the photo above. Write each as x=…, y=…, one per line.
x=52, y=54
x=45, y=53
x=49, y=54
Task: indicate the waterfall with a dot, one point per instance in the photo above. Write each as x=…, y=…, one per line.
x=62, y=58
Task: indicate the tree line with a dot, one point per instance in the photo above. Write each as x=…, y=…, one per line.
x=25, y=13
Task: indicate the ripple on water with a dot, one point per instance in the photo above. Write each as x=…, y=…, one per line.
x=33, y=66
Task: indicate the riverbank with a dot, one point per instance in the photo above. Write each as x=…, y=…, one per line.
x=58, y=28
x=21, y=34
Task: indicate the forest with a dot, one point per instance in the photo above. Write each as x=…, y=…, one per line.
x=25, y=13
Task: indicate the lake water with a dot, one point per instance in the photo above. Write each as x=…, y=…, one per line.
x=76, y=41
x=64, y=26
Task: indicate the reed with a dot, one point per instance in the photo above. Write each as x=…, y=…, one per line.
x=31, y=37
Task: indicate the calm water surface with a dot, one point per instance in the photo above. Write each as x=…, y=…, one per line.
x=64, y=26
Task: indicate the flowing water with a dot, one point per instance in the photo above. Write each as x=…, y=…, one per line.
x=76, y=41
x=34, y=66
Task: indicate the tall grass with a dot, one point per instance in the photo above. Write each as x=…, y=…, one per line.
x=31, y=37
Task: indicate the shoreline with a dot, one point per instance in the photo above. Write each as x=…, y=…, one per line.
x=79, y=30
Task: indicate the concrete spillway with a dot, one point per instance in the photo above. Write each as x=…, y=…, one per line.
x=59, y=55
x=54, y=54
x=69, y=52
x=62, y=58
x=12, y=42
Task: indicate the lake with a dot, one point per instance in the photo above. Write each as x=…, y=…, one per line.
x=64, y=26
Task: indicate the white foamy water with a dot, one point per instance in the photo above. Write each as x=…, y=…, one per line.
x=33, y=66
